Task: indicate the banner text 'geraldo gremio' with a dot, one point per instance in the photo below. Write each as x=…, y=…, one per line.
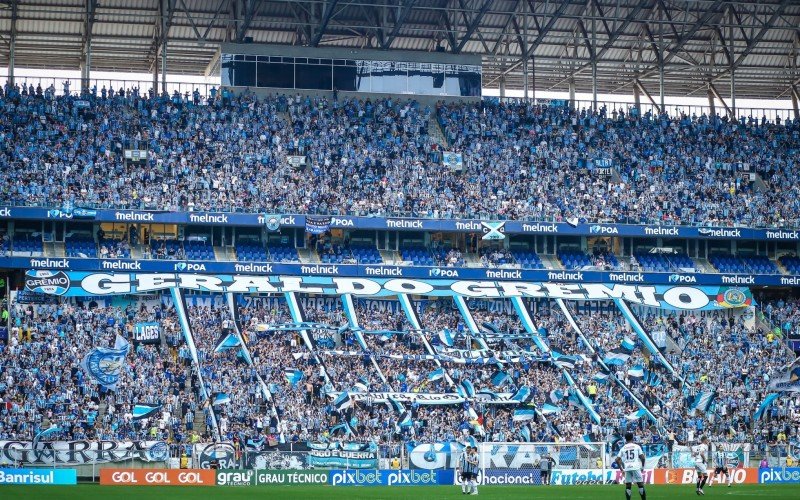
x=78, y=284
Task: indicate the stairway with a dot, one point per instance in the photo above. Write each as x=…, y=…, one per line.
x=137, y=251
x=436, y=133
x=551, y=262
x=54, y=249
x=308, y=256
x=471, y=260
x=389, y=256
x=224, y=253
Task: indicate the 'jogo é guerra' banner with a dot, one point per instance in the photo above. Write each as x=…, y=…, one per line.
x=79, y=284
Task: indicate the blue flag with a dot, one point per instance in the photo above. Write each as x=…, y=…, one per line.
x=636, y=372
x=221, y=398
x=523, y=414
x=104, y=364
x=144, y=410
x=50, y=431
x=293, y=375
x=227, y=341
x=436, y=374
x=446, y=338
x=762, y=408
x=499, y=378
x=344, y=401
x=548, y=409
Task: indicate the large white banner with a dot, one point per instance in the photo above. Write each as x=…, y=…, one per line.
x=81, y=452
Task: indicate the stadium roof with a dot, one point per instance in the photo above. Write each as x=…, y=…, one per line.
x=699, y=41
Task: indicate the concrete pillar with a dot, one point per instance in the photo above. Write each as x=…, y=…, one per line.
x=502, y=86
x=572, y=92
x=733, y=93
x=637, y=99
x=12, y=45
x=795, y=102
x=711, y=103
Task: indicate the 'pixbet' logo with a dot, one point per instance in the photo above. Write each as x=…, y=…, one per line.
x=184, y=266
x=682, y=278
x=599, y=229
x=411, y=477
x=355, y=478
x=443, y=273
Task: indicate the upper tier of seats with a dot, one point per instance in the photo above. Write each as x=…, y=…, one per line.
x=521, y=161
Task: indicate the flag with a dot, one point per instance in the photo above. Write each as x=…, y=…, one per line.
x=789, y=380
x=702, y=402
x=343, y=427
x=405, y=419
x=523, y=395
x=628, y=344
x=652, y=379
x=467, y=389
x=499, y=378
x=395, y=405
x=523, y=414
x=227, y=341
x=600, y=378
x=617, y=356
x=556, y=396
x=446, y=337
x=548, y=409
x=293, y=375
x=525, y=434
x=436, y=374
x=567, y=362
x=221, y=398
x=362, y=385
x=144, y=410
x=762, y=408
x=636, y=415
x=343, y=402
x=50, y=431
x=636, y=372
x=104, y=364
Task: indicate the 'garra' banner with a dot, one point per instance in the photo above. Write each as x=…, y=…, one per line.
x=80, y=284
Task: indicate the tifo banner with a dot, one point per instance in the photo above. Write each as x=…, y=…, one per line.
x=317, y=224
x=238, y=477
x=157, y=477
x=390, y=477
x=80, y=284
x=223, y=454
x=689, y=476
x=424, y=398
x=367, y=459
x=772, y=475
x=453, y=160
x=81, y=452
x=38, y=476
x=291, y=460
x=146, y=333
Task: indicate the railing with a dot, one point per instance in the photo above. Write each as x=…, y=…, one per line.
x=673, y=110
x=73, y=86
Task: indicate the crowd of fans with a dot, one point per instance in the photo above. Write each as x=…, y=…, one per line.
x=364, y=156
x=289, y=389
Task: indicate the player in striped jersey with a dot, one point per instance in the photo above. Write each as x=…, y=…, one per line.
x=468, y=469
x=721, y=465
